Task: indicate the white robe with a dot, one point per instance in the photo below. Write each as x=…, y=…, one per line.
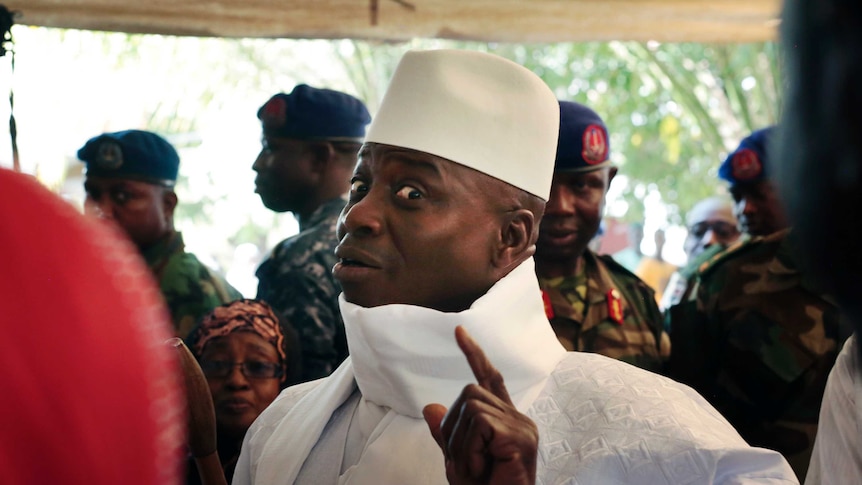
x=837, y=455
x=599, y=420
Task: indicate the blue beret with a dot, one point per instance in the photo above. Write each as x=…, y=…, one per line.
x=312, y=113
x=131, y=154
x=583, y=144
x=749, y=163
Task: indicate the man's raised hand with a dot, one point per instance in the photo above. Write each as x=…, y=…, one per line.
x=483, y=437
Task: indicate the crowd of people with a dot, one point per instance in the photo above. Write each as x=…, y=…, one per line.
x=442, y=315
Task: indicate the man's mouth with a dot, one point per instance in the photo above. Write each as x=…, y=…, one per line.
x=351, y=257
x=560, y=234
x=353, y=263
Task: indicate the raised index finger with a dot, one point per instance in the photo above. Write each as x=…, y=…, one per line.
x=487, y=376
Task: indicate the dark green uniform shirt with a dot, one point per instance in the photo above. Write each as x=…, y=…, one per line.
x=607, y=310
x=758, y=342
x=190, y=289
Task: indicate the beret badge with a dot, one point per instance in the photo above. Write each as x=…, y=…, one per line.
x=595, y=145
x=746, y=165
x=274, y=113
x=109, y=155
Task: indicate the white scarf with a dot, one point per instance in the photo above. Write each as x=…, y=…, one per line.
x=404, y=357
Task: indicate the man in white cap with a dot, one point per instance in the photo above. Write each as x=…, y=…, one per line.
x=437, y=239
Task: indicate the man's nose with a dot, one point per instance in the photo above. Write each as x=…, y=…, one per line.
x=561, y=201
x=262, y=161
x=362, y=218
x=709, y=238
x=744, y=207
x=103, y=208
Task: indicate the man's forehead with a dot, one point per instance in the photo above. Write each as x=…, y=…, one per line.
x=116, y=182
x=716, y=216
x=601, y=172
x=104, y=181
x=754, y=188
x=711, y=210
x=407, y=157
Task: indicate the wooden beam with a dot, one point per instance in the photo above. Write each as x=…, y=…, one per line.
x=396, y=20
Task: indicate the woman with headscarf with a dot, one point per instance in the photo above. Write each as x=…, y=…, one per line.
x=248, y=355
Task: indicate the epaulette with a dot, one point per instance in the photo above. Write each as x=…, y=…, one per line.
x=741, y=246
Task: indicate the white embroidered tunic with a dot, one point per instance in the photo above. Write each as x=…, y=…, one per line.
x=599, y=420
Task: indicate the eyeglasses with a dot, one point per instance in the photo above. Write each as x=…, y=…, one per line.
x=252, y=369
x=721, y=229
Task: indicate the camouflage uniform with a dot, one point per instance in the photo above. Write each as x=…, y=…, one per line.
x=758, y=341
x=191, y=290
x=297, y=281
x=633, y=335
x=680, y=293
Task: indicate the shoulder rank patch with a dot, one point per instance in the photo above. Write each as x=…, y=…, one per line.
x=615, y=307
x=549, y=309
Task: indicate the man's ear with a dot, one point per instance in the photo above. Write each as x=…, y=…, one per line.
x=169, y=203
x=516, y=239
x=612, y=172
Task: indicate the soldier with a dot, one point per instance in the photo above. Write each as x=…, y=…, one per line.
x=310, y=140
x=712, y=227
x=761, y=337
x=758, y=209
x=594, y=304
x=129, y=181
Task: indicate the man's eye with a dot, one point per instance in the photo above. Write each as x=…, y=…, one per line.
x=578, y=184
x=358, y=187
x=120, y=196
x=408, y=192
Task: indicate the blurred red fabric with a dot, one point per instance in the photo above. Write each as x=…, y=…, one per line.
x=90, y=393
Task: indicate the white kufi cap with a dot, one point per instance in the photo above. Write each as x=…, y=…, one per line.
x=479, y=110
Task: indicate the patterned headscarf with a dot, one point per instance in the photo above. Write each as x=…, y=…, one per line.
x=240, y=316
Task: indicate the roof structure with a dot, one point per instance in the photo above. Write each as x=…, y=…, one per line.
x=524, y=21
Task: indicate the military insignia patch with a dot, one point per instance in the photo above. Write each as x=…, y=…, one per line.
x=595, y=145
x=274, y=113
x=549, y=308
x=746, y=165
x=615, y=306
x=109, y=155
